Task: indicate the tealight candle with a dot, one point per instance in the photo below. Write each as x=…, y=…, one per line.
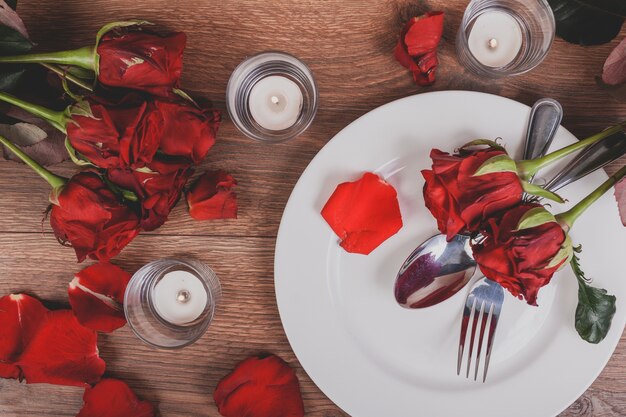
x=275, y=102
x=495, y=38
x=179, y=297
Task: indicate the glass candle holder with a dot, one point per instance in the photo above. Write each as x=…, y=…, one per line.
x=272, y=97
x=500, y=38
x=169, y=303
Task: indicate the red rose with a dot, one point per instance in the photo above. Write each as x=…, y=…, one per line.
x=89, y=216
x=158, y=187
x=141, y=61
x=417, y=46
x=188, y=131
x=212, y=197
x=111, y=136
x=460, y=198
x=521, y=249
x=260, y=387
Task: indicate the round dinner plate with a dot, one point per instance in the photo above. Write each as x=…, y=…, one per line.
x=374, y=358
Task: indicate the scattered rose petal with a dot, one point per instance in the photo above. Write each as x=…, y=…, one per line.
x=212, y=197
x=620, y=196
x=113, y=398
x=260, y=387
x=62, y=352
x=20, y=318
x=97, y=295
x=363, y=213
x=614, y=71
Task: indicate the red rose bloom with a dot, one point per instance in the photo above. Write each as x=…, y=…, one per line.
x=188, y=131
x=260, y=387
x=141, y=61
x=212, y=197
x=89, y=216
x=111, y=136
x=522, y=248
x=158, y=187
x=417, y=46
x=458, y=198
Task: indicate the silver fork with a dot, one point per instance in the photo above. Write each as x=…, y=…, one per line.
x=482, y=306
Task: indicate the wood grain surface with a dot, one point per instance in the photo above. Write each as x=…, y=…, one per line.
x=347, y=44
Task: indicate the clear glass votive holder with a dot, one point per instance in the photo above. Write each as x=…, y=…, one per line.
x=261, y=66
x=153, y=295
x=536, y=33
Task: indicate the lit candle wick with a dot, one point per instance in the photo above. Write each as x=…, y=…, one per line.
x=275, y=100
x=183, y=296
x=493, y=43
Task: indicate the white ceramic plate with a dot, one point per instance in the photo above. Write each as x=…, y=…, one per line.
x=376, y=359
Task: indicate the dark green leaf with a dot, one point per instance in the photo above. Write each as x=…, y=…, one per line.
x=12, y=4
x=10, y=77
x=12, y=42
x=588, y=22
x=595, y=309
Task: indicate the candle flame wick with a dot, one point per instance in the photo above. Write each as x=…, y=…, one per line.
x=493, y=43
x=275, y=100
x=183, y=296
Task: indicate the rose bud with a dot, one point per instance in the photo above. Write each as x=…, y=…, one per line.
x=158, y=187
x=85, y=214
x=478, y=181
x=521, y=248
x=417, y=46
x=132, y=59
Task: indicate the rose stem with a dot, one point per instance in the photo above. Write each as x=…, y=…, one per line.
x=569, y=217
x=66, y=75
x=528, y=168
x=82, y=57
x=55, y=118
x=54, y=180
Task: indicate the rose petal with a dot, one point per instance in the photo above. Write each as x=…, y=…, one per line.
x=62, y=352
x=97, y=295
x=211, y=197
x=20, y=318
x=424, y=33
x=363, y=213
x=260, y=387
x=614, y=71
x=113, y=398
x=620, y=196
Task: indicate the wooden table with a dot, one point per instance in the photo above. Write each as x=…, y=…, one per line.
x=347, y=44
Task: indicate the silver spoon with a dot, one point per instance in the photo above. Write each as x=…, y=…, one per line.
x=438, y=269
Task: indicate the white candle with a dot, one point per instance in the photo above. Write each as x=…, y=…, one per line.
x=179, y=297
x=275, y=102
x=495, y=38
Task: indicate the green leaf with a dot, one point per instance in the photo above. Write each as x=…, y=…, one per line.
x=535, y=217
x=588, y=22
x=498, y=163
x=12, y=4
x=595, y=309
x=483, y=144
x=12, y=42
x=541, y=192
x=10, y=77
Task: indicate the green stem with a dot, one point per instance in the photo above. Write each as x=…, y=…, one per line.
x=569, y=217
x=54, y=180
x=57, y=119
x=82, y=57
x=528, y=168
x=67, y=76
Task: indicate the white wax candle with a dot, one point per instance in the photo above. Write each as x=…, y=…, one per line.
x=495, y=38
x=179, y=297
x=275, y=102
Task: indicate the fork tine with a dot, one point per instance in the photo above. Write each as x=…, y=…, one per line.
x=488, y=311
x=467, y=311
x=490, y=338
x=477, y=313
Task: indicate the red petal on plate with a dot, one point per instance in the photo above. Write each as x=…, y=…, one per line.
x=260, y=387
x=97, y=295
x=62, y=352
x=614, y=71
x=620, y=196
x=113, y=398
x=424, y=33
x=20, y=318
x=363, y=213
x=211, y=197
